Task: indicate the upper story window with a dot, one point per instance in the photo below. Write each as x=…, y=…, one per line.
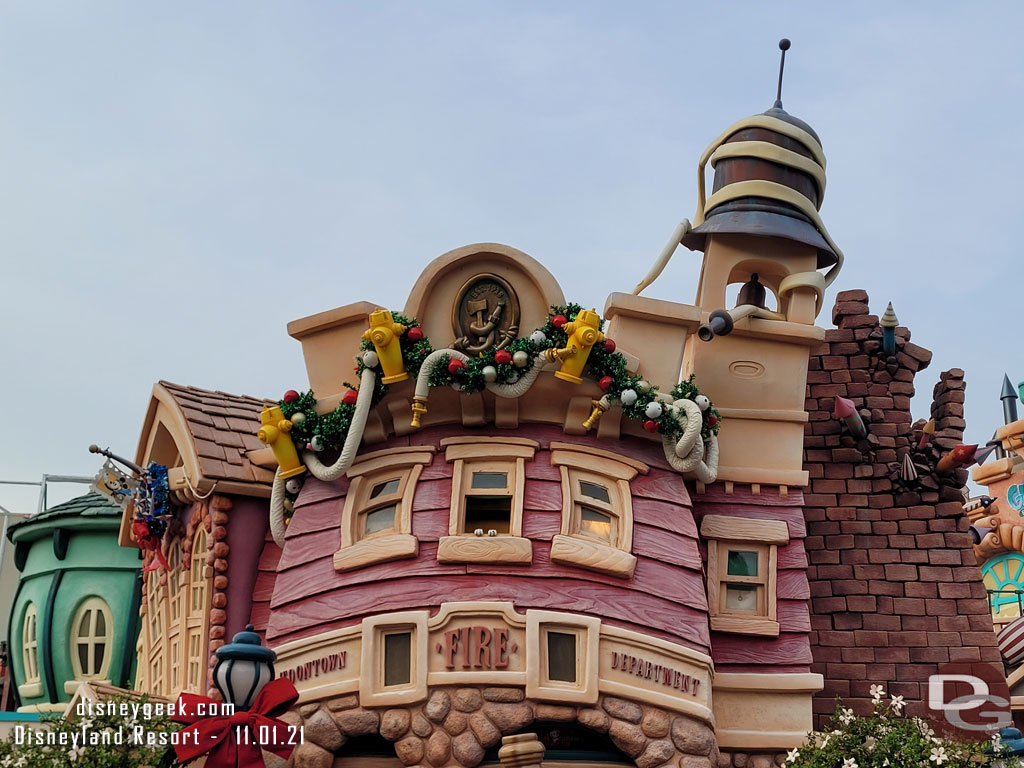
x=486, y=515
x=742, y=572
x=376, y=522
x=197, y=574
x=30, y=644
x=92, y=635
x=597, y=510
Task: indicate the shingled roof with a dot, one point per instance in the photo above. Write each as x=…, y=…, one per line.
x=223, y=429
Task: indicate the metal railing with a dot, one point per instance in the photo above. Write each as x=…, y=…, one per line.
x=1006, y=602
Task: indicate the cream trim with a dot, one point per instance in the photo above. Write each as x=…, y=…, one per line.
x=585, y=553
x=447, y=441
x=30, y=690
x=395, y=458
x=588, y=631
x=372, y=691
x=604, y=465
x=395, y=546
x=730, y=528
x=778, y=706
x=636, y=464
x=488, y=450
x=484, y=549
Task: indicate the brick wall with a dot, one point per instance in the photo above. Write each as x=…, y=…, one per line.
x=895, y=587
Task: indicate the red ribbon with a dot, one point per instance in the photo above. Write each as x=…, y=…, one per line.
x=216, y=736
x=147, y=541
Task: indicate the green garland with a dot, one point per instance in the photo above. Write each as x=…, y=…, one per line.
x=604, y=363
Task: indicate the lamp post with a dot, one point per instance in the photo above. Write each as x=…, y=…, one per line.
x=243, y=667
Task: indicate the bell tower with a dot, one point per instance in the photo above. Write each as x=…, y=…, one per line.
x=760, y=229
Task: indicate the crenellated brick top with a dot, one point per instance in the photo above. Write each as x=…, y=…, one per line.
x=895, y=586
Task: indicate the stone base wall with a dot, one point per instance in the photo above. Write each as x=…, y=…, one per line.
x=456, y=725
x=752, y=760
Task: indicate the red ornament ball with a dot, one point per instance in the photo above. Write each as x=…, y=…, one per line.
x=558, y=321
x=415, y=333
x=605, y=383
x=503, y=357
x=712, y=420
x=291, y=396
x=350, y=397
x=609, y=345
x=651, y=425
x=455, y=365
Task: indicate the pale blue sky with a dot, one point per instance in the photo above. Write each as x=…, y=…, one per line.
x=179, y=180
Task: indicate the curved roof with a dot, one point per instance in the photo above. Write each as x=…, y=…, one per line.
x=92, y=505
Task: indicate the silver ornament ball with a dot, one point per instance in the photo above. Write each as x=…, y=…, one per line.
x=490, y=373
x=538, y=337
x=298, y=418
x=520, y=359
x=628, y=396
x=702, y=402
x=653, y=410
x=370, y=359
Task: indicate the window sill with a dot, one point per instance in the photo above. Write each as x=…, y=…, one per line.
x=592, y=555
x=30, y=690
x=71, y=686
x=484, y=549
x=380, y=549
x=740, y=626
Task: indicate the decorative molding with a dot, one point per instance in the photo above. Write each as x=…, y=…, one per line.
x=728, y=528
x=636, y=464
x=592, y=555
x=484, y=549
x=382, y=549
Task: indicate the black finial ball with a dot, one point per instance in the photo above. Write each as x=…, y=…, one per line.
x=784, y=44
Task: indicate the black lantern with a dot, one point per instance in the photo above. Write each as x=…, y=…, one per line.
x=243, y=668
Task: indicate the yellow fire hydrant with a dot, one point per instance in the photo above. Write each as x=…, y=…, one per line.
x=584, y=332
x=274, y=433
x=384, y=333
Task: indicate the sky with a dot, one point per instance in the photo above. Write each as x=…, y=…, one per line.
x=179, y=180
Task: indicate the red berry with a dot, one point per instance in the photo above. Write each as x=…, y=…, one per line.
x=350, y=397
x=415, y=333
x=558, y=321
x=651, y=425
x=503, y=357
x=712, y=420
x=455, y=365
x=609, y=346
x=605, y=383
x=291, y=396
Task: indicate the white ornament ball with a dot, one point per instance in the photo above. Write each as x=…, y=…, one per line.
x=521, y=359
x=298, y=417
x=628, y=396
x=370, y=359
x=643, y=386
x=490, y=373
x=317, y=443
x=702, y=402
x=653, y=410
x=538, y=337
x=512, y=378
x=293, y=485
x=456, y=387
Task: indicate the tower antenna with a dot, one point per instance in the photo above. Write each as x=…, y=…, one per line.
x=783, y=46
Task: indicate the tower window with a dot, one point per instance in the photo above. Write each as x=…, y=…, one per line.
x=562, y=656
x=30, y=644
x=397, y=658
x=91, y=640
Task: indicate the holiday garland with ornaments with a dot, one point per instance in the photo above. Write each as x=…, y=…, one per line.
x=638, y=397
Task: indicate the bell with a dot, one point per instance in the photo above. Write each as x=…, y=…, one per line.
x=752, y=293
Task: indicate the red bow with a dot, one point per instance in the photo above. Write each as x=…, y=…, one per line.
x=146, y=541
x=217, y=736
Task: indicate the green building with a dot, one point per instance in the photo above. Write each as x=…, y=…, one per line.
x=76, y=612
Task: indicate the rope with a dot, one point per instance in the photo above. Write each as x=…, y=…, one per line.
x=692, y=457
x=317, y=468
x=195, y=494
x=518, y=389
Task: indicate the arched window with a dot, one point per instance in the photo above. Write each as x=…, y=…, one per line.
x=30, y=644
x=177, y=585
x=92, y=635
x=197, y=615
x=156, y=601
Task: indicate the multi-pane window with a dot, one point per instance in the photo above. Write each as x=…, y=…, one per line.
x=597, y=511
x=376, y=521
x=91, y=640
x=488, y=499
x=30, y=644
x=742, y=563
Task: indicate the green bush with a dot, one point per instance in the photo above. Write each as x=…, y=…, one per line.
x=889, y=739
x=153, y=752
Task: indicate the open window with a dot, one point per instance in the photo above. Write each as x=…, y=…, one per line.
x=597, y=512
x=742, y=573
x=376, y=522
x=486, y=514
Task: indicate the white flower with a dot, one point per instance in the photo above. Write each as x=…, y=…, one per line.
x=877, y=692
x=897, y=704
x=846, y=716
x=869, y=743
x=886, y=763
x=74, y=754
x=997, y=742
x=938, y=756
x=850, y=763
x=793, y=755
